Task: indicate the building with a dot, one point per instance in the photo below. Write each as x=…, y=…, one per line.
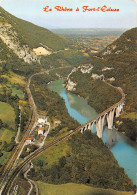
x=41, y=131
x=28, y=150
x=42, y=121
x=29, y=140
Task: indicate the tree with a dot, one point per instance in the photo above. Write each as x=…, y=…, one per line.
x=1, y=154
x=1, y=124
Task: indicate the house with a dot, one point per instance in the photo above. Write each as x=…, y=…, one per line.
x=41, y=130
x=28, y=150
x=41, y=121
x=29, y=140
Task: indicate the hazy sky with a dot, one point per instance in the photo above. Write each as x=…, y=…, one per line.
x=32, y=10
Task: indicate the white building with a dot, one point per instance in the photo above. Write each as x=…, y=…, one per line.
x=29, y=140
x=42, y=121
x=41, y=131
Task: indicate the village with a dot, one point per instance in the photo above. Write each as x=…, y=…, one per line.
x=38, y=135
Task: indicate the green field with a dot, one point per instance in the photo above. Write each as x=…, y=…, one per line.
x=15, y=79
x=75, y=189
x=6, y=135
x=17, y=92
x=4, y=158
x=52, y=155
x=14, y=90
x=7, y=114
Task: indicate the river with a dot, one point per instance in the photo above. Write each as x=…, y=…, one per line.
x=124, y=150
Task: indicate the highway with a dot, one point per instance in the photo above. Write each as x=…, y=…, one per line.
x=38, y=151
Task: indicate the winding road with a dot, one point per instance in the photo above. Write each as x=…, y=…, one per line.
x=22, y=165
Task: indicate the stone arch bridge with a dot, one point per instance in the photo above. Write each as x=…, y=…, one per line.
x=108, y=114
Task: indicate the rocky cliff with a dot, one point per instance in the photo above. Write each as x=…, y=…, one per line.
x=9, y=36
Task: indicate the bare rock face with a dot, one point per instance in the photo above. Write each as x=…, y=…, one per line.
x=96, y=76
x=110, y=49
x=84, y=69
x=10, y=37
x=70, y=85
x=107, y=68
x=111, y=79
x=41, y=51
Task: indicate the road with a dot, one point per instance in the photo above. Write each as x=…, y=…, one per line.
x=13, y=159
x=32, y=123
x=38, y=151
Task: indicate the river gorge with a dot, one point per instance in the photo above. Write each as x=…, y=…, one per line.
x=123, y=149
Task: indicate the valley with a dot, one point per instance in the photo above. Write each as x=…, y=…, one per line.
x=31, y=57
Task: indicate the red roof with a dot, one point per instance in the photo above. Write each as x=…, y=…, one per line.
x=40, y=128
x=27, y=150
x=29, y=138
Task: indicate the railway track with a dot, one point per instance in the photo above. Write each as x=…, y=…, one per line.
x=27, y=160
x=9, y=183
x=12, y=161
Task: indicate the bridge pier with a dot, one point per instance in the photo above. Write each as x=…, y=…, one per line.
x=110, y=117
x=81, y=130
x=118, y=110
x=92, y=124
x=99, y=126
x=89, y=126
x=99, y=121
x=102, y=121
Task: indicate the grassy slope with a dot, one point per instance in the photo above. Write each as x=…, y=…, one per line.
x=52, y=156
x=75, y=189
x=7, y=114
x=5, y=135
x=13, y=83
x=15, y=78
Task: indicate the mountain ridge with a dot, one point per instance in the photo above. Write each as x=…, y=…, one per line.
x=24, y=38
x=117, y=63
x=126, y=43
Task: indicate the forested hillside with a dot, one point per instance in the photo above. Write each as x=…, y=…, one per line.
x=88, y=162
x=33, y=35
x=118, y=65
x=17, y=62
x=26, y=49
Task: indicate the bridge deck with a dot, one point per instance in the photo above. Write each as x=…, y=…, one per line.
x=107, y=110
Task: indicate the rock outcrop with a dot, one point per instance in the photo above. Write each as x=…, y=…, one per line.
x=70, y=85
x=10, y=37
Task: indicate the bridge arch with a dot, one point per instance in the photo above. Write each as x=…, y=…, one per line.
x=108, y=115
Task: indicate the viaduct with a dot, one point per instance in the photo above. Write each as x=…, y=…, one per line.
x=109, y=114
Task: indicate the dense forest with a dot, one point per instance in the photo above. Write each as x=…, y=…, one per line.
x=89, y=162
x=52, y=103
x=98, y=94
x=120, y=58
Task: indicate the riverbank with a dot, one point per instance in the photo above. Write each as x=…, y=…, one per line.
x=117, y=142
x=100, y=96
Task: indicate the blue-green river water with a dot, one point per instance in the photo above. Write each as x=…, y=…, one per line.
x=124, y=150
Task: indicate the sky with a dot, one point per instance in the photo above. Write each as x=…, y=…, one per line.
x=32, y=10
